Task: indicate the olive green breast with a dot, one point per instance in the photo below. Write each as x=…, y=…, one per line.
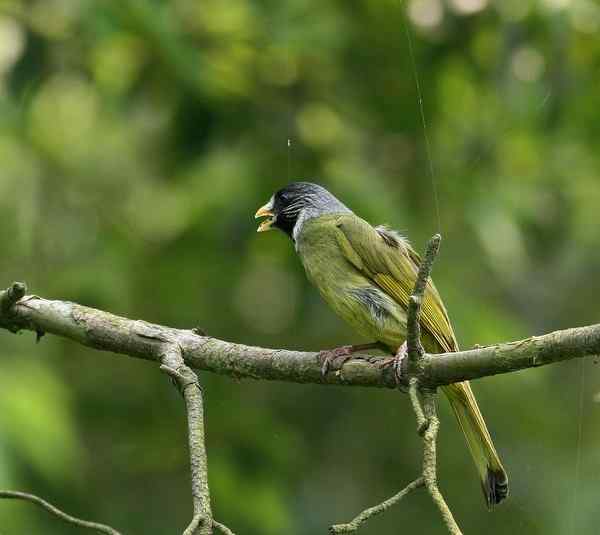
x=354, y=297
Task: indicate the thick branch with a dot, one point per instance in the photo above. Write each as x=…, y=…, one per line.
x=508, y=357
x=16, y=495
x=136, y=338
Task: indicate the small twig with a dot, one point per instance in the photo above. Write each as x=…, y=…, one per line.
x=413, y=338
x=429, y=462
x=354, y=524
x=194, y=524
x=223, y=528
x=413, y=392
x=101, y=528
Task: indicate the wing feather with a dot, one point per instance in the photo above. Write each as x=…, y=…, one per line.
x=392, y=265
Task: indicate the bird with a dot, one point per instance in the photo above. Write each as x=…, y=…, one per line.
x=366, y=275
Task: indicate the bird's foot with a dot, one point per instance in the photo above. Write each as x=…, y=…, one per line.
x=400, y=356
x=341, y=354
x=338, y=354
x=396, y=362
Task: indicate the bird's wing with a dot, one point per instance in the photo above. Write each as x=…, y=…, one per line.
x=388, y=260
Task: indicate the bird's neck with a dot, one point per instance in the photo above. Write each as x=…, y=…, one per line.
x=331, y=206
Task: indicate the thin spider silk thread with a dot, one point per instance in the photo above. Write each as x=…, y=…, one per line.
x=437, y=209
x=290, y=105
x=423, y=121
x=579, y=442
x=289, y=157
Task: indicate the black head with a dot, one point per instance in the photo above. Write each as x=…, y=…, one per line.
x=296, y=203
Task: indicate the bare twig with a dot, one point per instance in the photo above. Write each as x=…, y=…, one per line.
x=413, y=327
x=427, y=426
x=354, y=524
x=16, y=495
x=222, y=528
x=413, y=392
x=429, y=462
x=194, y=524
x=187, y=382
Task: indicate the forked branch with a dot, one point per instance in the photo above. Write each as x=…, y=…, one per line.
x=187, y=383
x=16, y=495
x=354, y=524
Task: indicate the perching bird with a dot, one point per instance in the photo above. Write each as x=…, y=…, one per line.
x=366, y=274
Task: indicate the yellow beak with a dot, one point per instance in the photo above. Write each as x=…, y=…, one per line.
x=265, y=211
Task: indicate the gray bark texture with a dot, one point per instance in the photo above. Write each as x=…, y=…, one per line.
x=136, y=338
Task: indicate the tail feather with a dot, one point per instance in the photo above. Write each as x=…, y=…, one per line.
x=493, y=477
x=495, y=488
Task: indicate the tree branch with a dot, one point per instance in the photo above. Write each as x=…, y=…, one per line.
x=194, y=524
x=187, y=382
x=430, y=461
x=414, y=347
x=16, y=495
x=354, y=524
x=136, y=338
x=447, y=368
x=222, y=528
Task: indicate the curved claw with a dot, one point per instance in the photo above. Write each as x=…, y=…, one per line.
x=343, y=354
x=329, y=355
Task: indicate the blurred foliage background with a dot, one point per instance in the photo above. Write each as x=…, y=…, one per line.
x=137, y=140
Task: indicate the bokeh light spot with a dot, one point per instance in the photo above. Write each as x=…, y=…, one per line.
x=527, y=64
x=427, y=14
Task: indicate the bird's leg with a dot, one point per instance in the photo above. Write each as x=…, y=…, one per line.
x=342, y=354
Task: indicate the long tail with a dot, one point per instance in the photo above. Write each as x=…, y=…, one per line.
x=494, y=481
